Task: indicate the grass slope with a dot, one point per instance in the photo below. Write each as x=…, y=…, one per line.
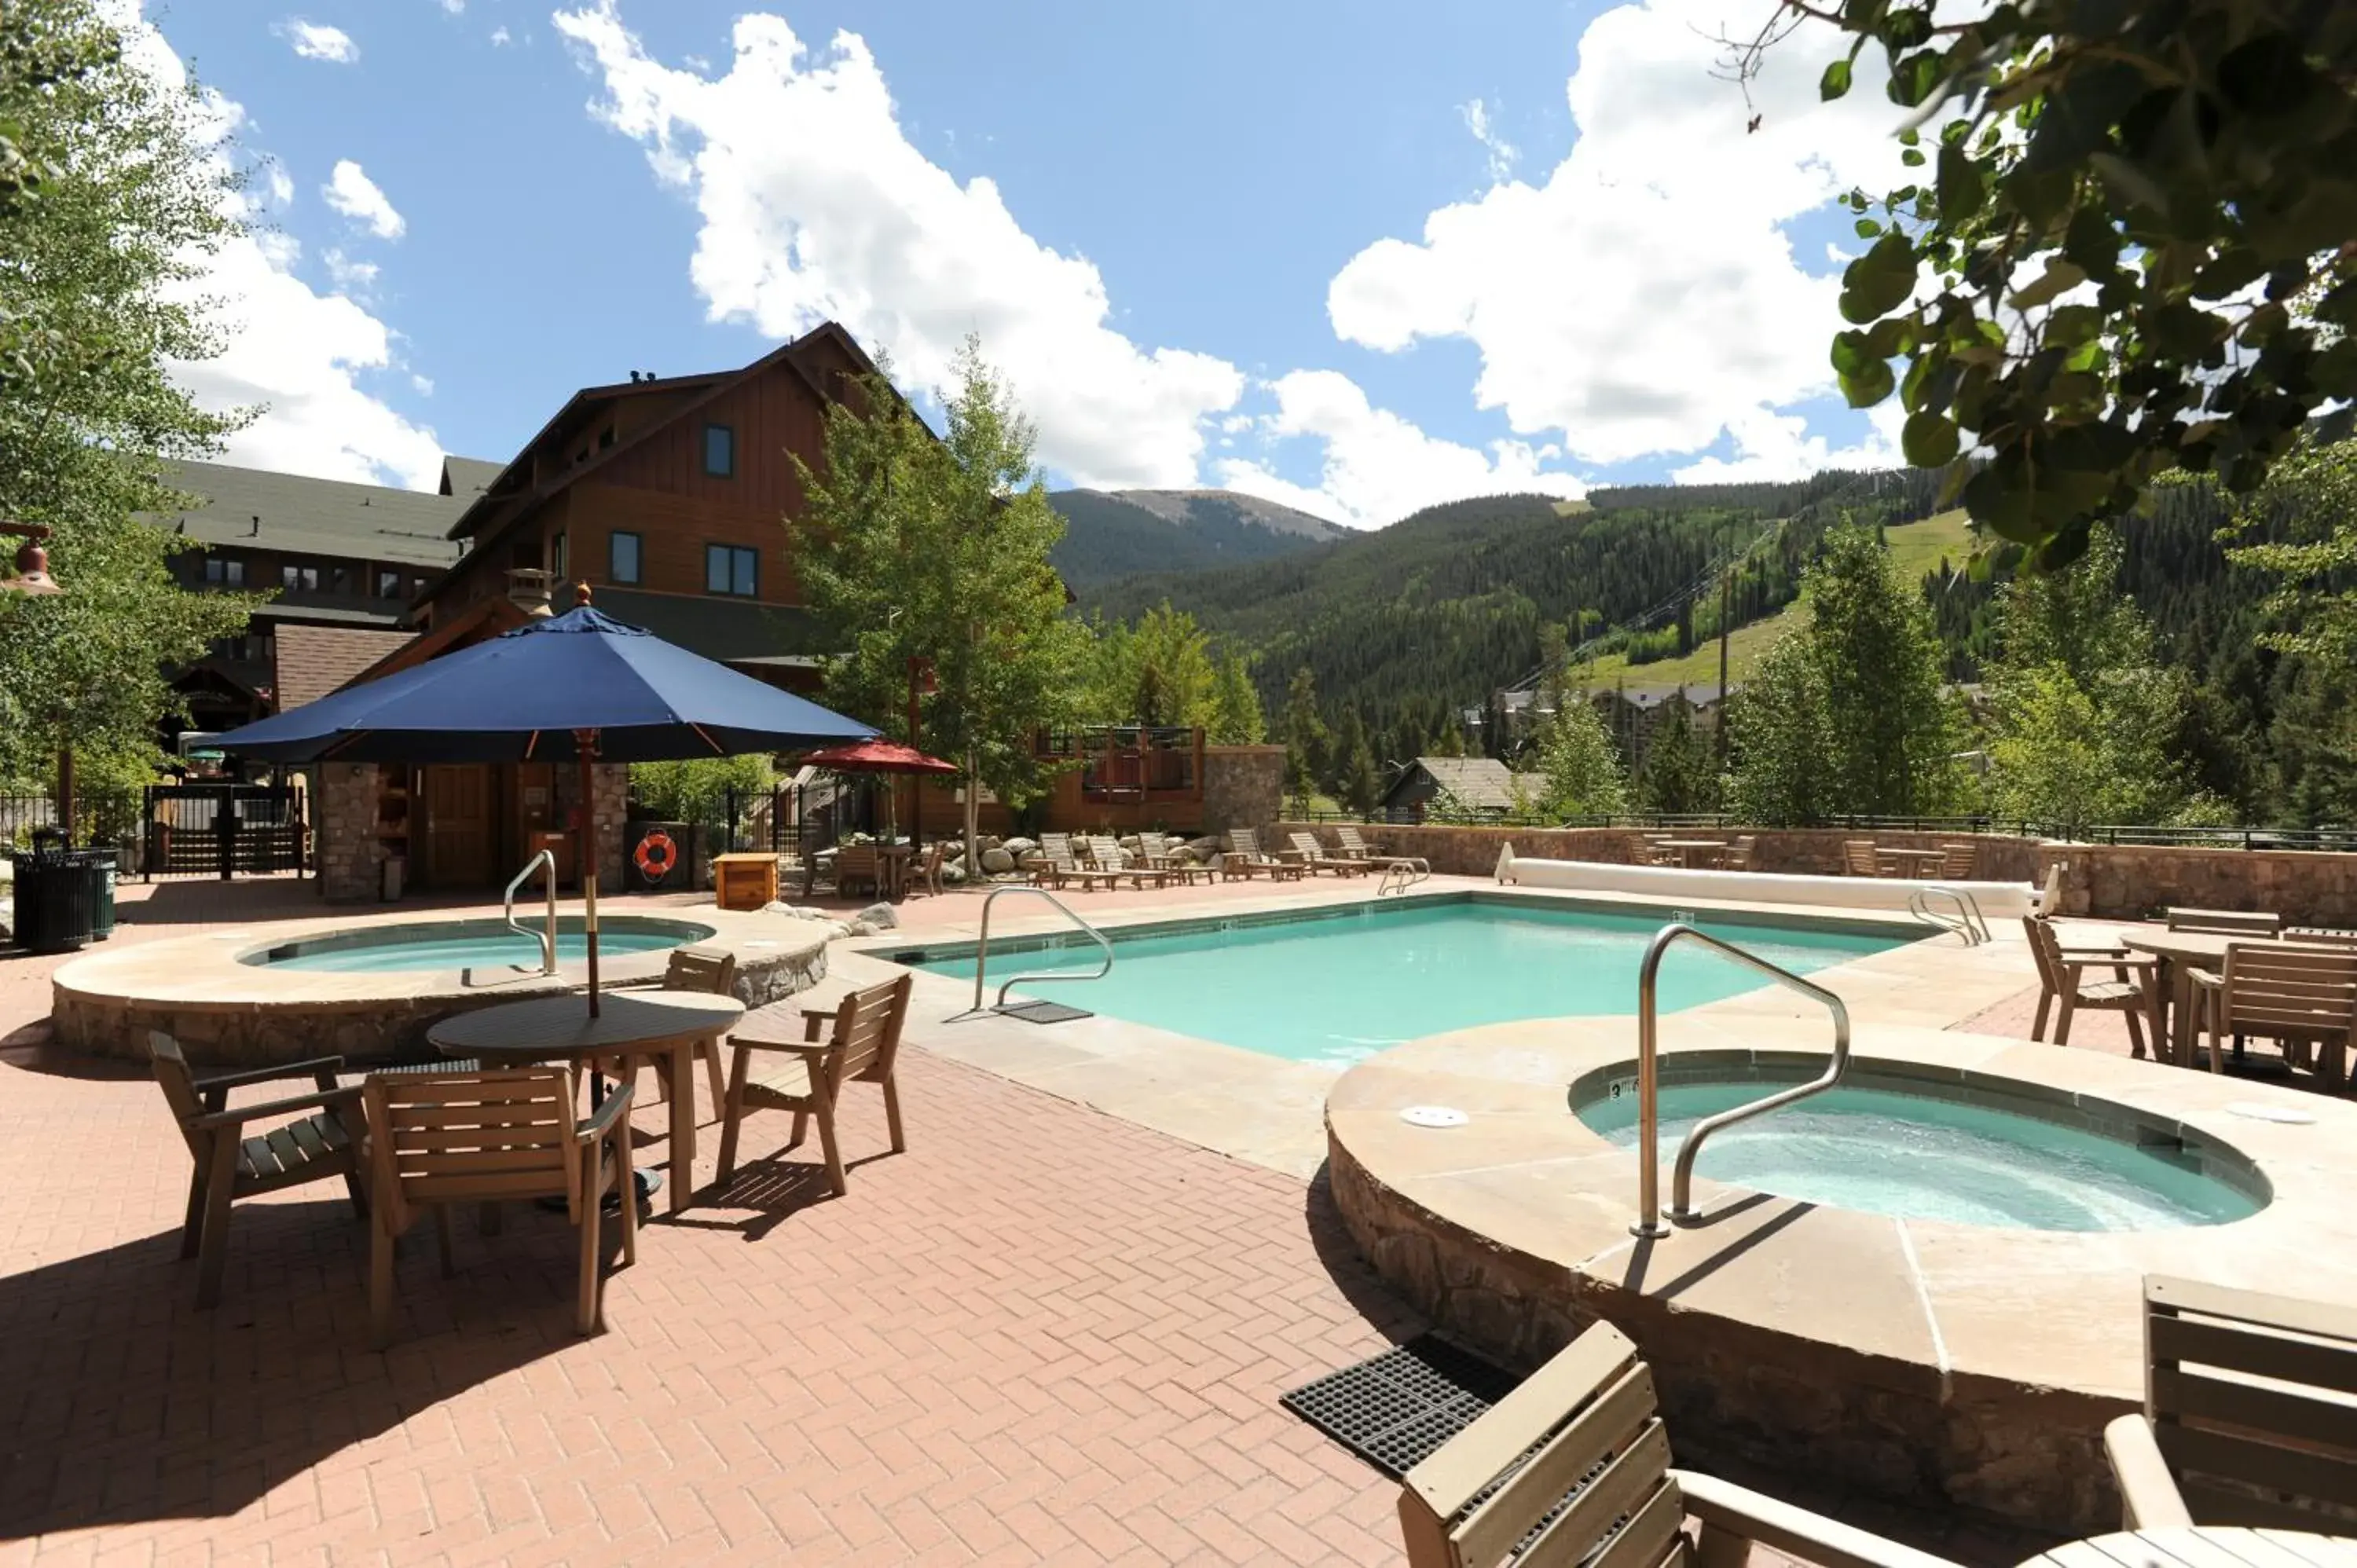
x=1917, y=548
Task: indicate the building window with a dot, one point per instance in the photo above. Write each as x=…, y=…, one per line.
x=605, y=438
x=299, y=579
x=622, y=557
x=340, y=580
x=556, y=557
x=387, y=584
x=731, y=569
x=719, y=451
x=224, y=574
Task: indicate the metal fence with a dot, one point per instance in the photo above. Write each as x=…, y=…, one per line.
x=2340, y=837
x=97, y=821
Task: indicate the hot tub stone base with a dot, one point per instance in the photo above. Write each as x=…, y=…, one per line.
x=1736, y=1396
x=227, y=1014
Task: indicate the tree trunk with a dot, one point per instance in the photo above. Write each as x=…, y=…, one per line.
x=972, y=818
x=66, y=790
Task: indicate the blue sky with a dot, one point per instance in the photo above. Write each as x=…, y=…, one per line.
x=1360, y=258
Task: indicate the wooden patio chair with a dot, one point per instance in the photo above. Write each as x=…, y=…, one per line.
x=864, y=1046
x=1654, y=852
x=858, y=865
x=2224, y=922
x=1858, y=858
x=2247, y=1420
x=926, y=871
x=230, y=1163
x=1575, y=1467
x=712, y=970
x=2305, y=998
x=1159, y=852
x=2061, y=976
x=1245, y=855
x=1313, y=855
x=1739, y=852
x=459, y=1138
x=1961, y=859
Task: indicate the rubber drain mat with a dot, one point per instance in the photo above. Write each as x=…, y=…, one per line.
x=1044, y=1011
x=1394, y=1411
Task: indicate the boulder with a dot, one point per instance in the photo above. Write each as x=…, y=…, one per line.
x=862, y=927
x=1019, y=847
x=881, y=916
x=996, y=860
x=1206, y=849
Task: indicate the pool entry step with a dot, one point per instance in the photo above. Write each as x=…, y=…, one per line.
x=1042, y=1012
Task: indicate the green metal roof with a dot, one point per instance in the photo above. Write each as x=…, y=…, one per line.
x=305, y=516
x=466, y=478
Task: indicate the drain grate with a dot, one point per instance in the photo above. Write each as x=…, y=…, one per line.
x=1394, y=1411
x=1044, y=1011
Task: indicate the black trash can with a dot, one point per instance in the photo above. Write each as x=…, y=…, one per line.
x=57, y=893
x=99, y=863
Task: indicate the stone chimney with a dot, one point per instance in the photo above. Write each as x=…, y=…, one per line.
x=528, y=586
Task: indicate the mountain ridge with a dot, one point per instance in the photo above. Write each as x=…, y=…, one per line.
x=1113, y=534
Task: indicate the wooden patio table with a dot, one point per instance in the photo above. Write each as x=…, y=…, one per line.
x=630, y=1023
x=2202, y=1546
x=2180, y=953
x=1911, y=858
x=1688, y=848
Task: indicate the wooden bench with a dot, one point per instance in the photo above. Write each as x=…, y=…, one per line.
x=1574, y=1468
x=2248, y=1416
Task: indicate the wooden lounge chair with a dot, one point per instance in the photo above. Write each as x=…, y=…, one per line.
x=2247, y=1420
x=2303, y=997
x=1162, y=854
x=1244, y=858
x=2224, y=922
x=1577, y=1460
x=1960, y=862
x=1858, y=858
x=457, y=1138
x=1108, y=856
x=1060, y=863
x=2060, y=975
x=863, y=1045
x=231, y=1164
x=1315, y=857
x=712, y=970
x=1355, y=846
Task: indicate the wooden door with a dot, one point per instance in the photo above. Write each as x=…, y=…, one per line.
x=534, y=814
x=461, y=827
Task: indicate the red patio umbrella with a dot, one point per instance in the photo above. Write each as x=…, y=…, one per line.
x=881, y=756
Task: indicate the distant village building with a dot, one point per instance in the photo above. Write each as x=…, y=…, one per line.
x=1475, y=783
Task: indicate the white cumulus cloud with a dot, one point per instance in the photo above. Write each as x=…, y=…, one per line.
x=501, y=37
x=1378, y=467
x=814, y=204
x=1503, y=153
x=298, y=354
x=316, y=40
x=346, y=273
x=1643, y=297
x=350, y=192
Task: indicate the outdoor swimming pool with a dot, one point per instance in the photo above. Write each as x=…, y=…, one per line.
x=1339, y=988
x=1926, y=1150
x=470, y=944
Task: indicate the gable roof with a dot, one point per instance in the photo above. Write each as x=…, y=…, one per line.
x=295, y=514
x=467, y=478
x=313, y=660
x=1482, y=782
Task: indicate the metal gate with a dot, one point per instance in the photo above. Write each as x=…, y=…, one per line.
x=219, y=830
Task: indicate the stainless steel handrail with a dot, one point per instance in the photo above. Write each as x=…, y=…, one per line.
x=1410, y=869
x=1968, y=922
x=547, y=938
x=982, y=947
x=1649, y=1092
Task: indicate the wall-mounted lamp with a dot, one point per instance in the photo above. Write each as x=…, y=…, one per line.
x=32, y=577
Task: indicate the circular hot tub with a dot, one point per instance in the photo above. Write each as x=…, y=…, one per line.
x=471, y=945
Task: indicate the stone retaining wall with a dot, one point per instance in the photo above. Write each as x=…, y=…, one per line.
x=2105, y=882
x=1243, y=787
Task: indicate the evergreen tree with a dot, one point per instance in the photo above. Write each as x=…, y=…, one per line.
x=1356, y=783
x=1236, y=716
x=1578, y=766
x=1676, y=775
x=1896, y=731
x=1305, y=737
x=1779, y=738
x=1451, y=741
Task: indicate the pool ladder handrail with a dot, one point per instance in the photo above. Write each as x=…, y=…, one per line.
x=1967, y=922
x=547, y=939
x=1649, y=1095
x=982, y=949
x=1410, y=869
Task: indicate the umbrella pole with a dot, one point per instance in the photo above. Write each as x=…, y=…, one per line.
x=584, y=747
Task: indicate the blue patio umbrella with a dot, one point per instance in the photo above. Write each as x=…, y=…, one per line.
x=580, y=685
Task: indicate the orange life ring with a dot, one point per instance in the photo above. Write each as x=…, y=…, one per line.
x=656, y=855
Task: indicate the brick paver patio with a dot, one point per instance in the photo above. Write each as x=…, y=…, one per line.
x=1042, y=1335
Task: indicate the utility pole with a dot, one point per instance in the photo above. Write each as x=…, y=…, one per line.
x=1726, y=613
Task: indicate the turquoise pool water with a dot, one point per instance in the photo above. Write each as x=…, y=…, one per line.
x=1916, y=1153
x=472, y=944
x=1340, y=989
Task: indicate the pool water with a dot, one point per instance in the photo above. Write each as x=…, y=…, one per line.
x=471, y=944
x=1921, y=1155
x=1341, y=988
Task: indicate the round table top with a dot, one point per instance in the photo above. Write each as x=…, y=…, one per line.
x=2202, y=1546
x=1691, y=843
x=1912, y=853
x=549, y=1028
x=2198, y=947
